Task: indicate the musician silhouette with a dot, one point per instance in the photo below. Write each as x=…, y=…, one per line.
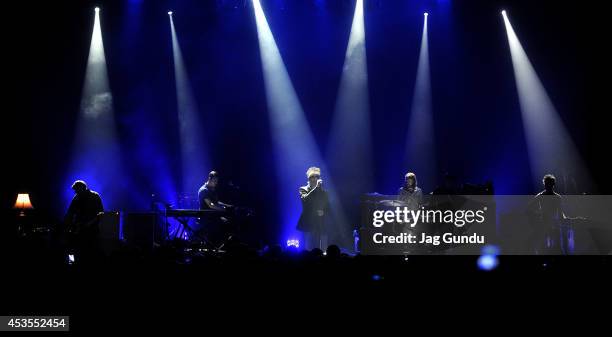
x=215, y=227
x=547, y=206
x=208, y=194
x=82, y=222
x=315, y=206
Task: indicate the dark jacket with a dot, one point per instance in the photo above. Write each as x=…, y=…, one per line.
x=312, y=201
x=83, y=211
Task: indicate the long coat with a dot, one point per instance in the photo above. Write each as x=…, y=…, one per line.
x=313, y=201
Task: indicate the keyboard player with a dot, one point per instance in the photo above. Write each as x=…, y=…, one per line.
x=208, y=194
x=216, y=227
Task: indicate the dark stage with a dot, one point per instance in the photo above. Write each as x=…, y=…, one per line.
x=279, y=141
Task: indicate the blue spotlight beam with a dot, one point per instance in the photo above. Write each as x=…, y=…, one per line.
x=96, y=153
x=194, y=157
x=420, y=147
x=551, y=148
x=294, y=146
x=350, y=145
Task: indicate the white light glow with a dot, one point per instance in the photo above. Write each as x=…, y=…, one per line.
x=96, y=154
x=194, y=155
x=294, y=146
x=551, y=149
x=350, y=143
x=420, y=146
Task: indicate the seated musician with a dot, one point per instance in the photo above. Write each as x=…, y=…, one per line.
x=410, y=194
x=216, y=227
x=82, y=220
x=208, y=194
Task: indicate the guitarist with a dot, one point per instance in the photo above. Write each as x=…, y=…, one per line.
x=82, y=220
x=547, y=212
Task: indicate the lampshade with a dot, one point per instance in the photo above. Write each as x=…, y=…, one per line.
x=23, y=201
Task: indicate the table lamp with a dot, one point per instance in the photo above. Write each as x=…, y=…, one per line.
x=23, y=203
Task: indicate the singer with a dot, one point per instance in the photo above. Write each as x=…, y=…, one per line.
x=315, y=206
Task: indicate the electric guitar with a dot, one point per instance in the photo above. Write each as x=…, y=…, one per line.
x=79, y=227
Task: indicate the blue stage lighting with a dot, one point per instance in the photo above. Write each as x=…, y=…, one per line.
x=96, y=153
x=293, y=243
x=550, y=145
x=350, y=140
x=194, y=157
x=490, y=250
x=293, y=143
x=487, y=262
x=420, y=151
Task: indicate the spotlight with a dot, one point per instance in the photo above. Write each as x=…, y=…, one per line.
x=487, y=262
x=96, y=147
x=549, y=143
x=351, y=128
x=193, y=154
x=293, y=243
x=294, y=145
x=419, y=153
x=503, y=12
